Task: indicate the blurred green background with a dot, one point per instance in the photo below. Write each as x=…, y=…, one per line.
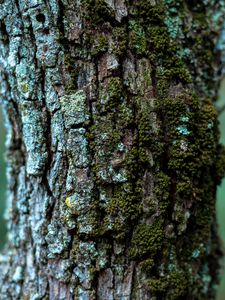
x=221, y=189
x=220, y=193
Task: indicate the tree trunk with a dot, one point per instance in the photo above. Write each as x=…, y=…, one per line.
x=112, y=149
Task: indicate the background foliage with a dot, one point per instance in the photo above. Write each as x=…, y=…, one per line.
x=221, y=189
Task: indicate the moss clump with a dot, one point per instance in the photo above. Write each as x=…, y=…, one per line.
x=122, y=210
x=126, y=117
x=159, y=41
x=179, y=281
x=156, y=285
x=131, y=163
x=96, y=12
x=147, y=239
x=176, y=69
x=148, y=13
x=173, y=285
x=162, y=190
x=111, y=96
x=145, y=127
x=183, y=117
x=147, y=265
x=115, y=89
x=100, y=44
x=137, y=38
x=120, y=41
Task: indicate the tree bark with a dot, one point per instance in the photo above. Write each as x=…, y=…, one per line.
x=112, y=148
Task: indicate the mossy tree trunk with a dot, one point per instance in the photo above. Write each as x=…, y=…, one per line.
x=112, y=149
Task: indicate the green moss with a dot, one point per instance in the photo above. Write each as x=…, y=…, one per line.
x=156, y=285
x=126, y=117
x=111, y=96
x=115, y=88
x=174, y=285
x=120, y=41
x=180, y=117
x=162, y=190
x=149, y=13
x=145, y=128
x=100, y=44
x=179, y=281
x=147, y=239
x=137, y=37
x=131, y=163
x=147, y=265
x=122, y=210
x=96, y=12
x=158, y=40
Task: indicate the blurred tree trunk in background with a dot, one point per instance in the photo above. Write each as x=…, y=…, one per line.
x=112, y=148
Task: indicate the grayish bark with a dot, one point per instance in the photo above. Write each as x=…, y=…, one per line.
x=112, y=149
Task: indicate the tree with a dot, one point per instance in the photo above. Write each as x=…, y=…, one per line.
x=112, y=148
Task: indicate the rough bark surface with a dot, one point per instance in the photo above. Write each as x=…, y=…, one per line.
x=112, y=148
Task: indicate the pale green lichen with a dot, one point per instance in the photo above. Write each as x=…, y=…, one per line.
x=75, y=109
x=34, y=138
x=77, y=147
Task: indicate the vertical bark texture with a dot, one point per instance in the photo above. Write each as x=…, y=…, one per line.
x=113, y=153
